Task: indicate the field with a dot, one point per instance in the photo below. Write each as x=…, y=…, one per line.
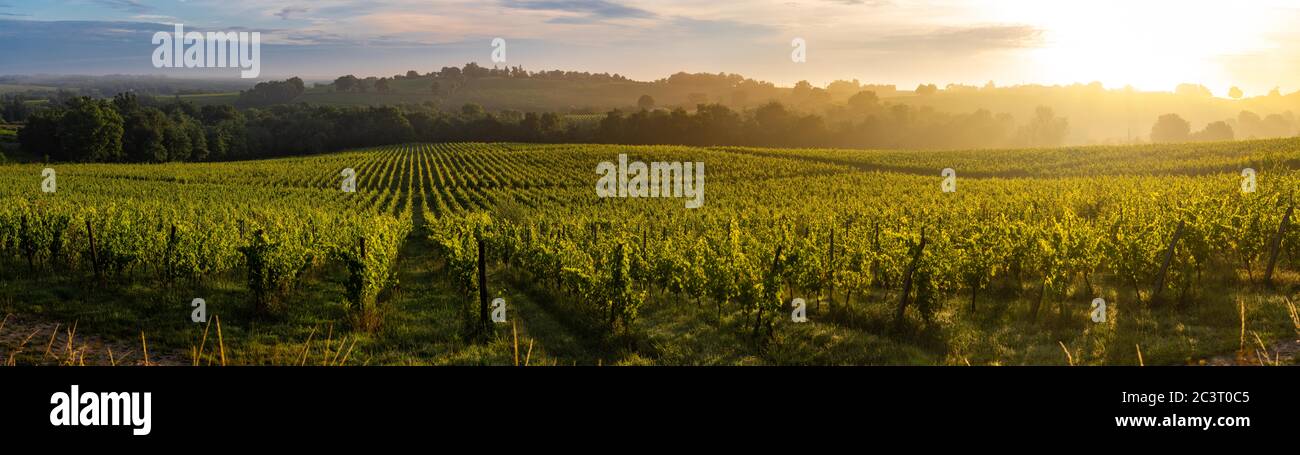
x=1191, y=268
x=12, y=88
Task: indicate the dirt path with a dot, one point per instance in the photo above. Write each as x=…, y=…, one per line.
x=25, y=340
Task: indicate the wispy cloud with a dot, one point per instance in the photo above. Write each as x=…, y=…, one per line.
x=896, y=41
x=966, y=39
x=162, y=18
x=288, y=11
x=131, y=6
x=593, y=9
x=6, y=5
x=871, y=3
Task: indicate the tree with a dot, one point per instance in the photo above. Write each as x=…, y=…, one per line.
x=434, y=87
x=1214, y=132
x=412, y=74
x=772, y=116
x=389, y=126
x=802, y=89
x=1171, y=128
x=645, y=102
x=612, y=127
x=863, y=100
x=346, y=83
x=15, y=109
x=41, y=135
x=1277, y=125
x=1194, y=90
x=927, y=89
x=381, y=85
x=473, y=70
x=717, y=125
x=1044, y=130
x=450, y=72
x=471, y=110
x=91, y=130
x=126, y=103
x=843, y=87
x=143, y=135
x=185, y=138
x=551, y=122
x=273, y=92
x=366, y=84
x=1235, y=93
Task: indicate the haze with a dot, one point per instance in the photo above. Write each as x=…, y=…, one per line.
x=1150, y=45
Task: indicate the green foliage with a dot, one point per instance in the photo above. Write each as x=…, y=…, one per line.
x=1060, y=226
x=90, y=130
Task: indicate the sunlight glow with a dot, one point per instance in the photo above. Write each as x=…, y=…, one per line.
x=1151, y=45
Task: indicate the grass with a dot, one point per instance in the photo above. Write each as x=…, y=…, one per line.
x=1226, y=322
x=424, y=325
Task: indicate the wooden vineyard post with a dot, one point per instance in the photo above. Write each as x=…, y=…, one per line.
x=1277, y=246
x=171, y=251
x=1164, y=267
x=94, y=254
x=27, y=234
x=907, y=282
x=830, y=270
x=482, y=285
x=776, y=268
x=877, y=280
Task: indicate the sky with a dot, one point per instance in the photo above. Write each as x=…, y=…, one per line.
x=1149, y=44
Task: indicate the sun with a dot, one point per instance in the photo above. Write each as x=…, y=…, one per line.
x=1150, y=45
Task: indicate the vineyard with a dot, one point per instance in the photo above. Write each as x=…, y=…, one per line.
x=1187, y=260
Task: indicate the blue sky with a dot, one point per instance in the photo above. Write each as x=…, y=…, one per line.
x=1152, y=44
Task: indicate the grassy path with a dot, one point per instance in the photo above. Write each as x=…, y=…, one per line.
x=426, y=321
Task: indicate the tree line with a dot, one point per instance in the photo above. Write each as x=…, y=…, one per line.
x=14, y=109
x=869, y=124
x=131, y=129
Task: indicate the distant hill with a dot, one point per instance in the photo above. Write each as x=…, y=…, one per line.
x=107, y=86
x=498, y=93
x=1095, y=114
x=519, y=94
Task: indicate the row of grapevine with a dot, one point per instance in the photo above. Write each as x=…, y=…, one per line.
x=776, y=224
